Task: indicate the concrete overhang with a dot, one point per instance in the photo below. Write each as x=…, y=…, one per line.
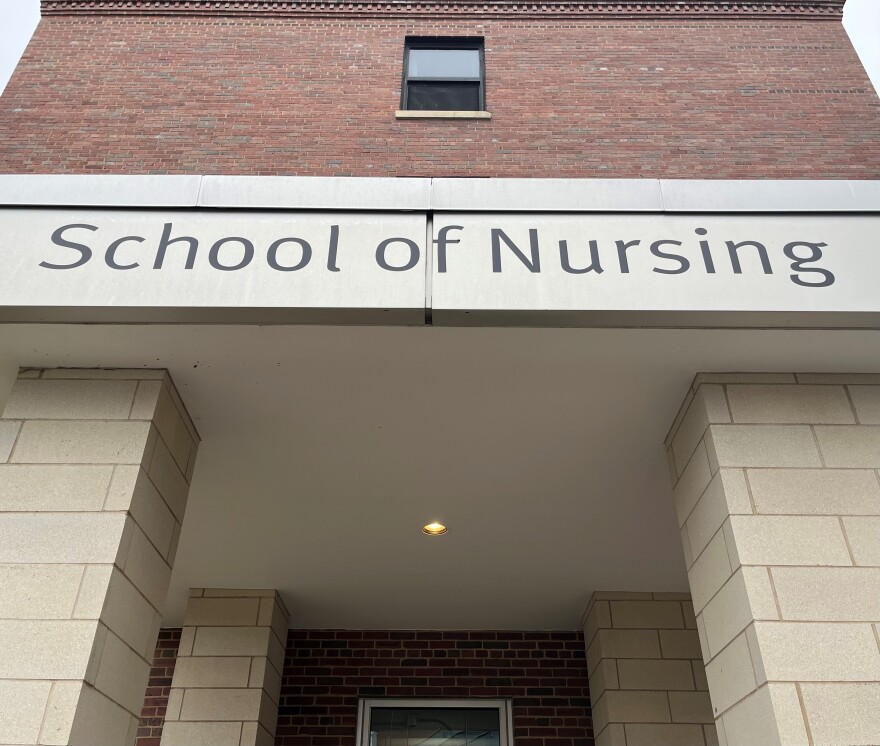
x=441, y=194
x=326, y=448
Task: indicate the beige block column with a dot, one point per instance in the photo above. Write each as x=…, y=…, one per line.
x=94, y=477
x=777, y=492
x=227, y=679
x=647, y=682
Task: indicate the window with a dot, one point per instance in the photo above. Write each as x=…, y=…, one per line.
x=443, y=74
x=407, y=722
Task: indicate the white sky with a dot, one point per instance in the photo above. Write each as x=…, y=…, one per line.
x=18, y=19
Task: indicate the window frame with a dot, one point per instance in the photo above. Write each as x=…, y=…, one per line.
x=504, y=707
x=477, y=43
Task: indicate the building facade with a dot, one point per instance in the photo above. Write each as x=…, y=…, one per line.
x=413, y=373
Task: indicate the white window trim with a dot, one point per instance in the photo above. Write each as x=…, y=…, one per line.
x=505, y=713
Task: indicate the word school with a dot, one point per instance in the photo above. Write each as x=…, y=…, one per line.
x=522, y=251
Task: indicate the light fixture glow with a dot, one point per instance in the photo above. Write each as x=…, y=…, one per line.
x=434, y=529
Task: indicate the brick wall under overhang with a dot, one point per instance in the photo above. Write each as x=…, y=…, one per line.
x=326, y=672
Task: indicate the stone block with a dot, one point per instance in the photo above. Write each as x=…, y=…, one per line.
x=145, y=399
x=686, y=548
x=708, y=406
x=60, y=711
x=667, y=675
x=212, y=672
x=815, y=491
x=221, y=705
x=764, y=446
x=187, y=642
x=843, y=713
x=746, y=596
x=663, y=734
x=8, y=433
x=700, y=681
x=20, y=722
x=612, y=735
x=727, y=494
x=636, y=707
x=692, y=483
x=680, y=643
x=268, y=714
x=847, y=446
x=710, y=732
x=866, y=400
x=81, y=442
x=731, y=676
x=152, y=512
x=710, y=451
x=275, y=612
x=241, y=641
x=837, y=652
x=789, y=540
x=864, y=540
x=175, y=702
x=625, y=643
x=99, y=721
x=128, y=614
x=265, y=675
x=254, y=734
x=169, y=480
x=676, y=423
x=604, y=677
x=122, y=674
x=710, y=572
x=144, y=566
x=598, y=617
x=70, y=538
x=222, y=612
x=38, y=591
x=690, y=619
x=646, y=615
x=276, y=651
x=45, y=487
x=92, y=592
x=70, y=400
x=45, y=649
x=769, y=717
x=785, y=404
x=690, y=707
x=828, y=594
x=173, y=429
x=730, y=543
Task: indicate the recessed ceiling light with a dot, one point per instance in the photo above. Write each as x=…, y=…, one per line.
x=434, y=529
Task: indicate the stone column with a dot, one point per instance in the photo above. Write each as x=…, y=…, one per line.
x=227, y=679
x=777, y=492
x=94, y=476
x=647, y=682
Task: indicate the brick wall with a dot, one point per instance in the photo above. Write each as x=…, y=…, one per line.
x=579, y=96
x=327, y=671
x=158, y=688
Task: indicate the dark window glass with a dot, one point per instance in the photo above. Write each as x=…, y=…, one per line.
x=434, y=726
x=444, y=75
x=424, y=96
